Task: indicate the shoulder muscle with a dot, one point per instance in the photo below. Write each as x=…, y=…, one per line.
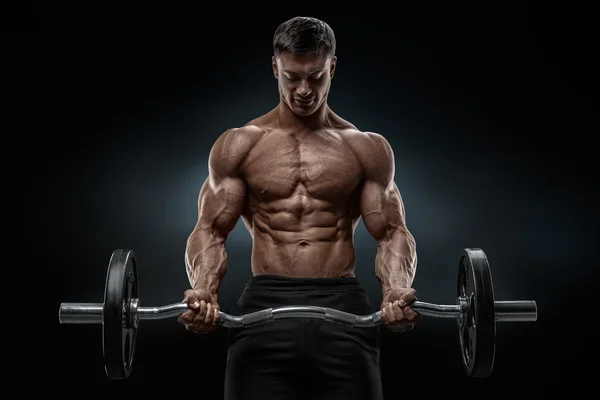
x=375, y=154
x=231, y=148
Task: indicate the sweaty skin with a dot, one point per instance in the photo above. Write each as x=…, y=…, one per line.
x=301, y=178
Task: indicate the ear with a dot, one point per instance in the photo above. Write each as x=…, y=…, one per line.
x=332, y=67
x=274, y=65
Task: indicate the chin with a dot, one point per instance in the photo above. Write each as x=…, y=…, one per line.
x=303, y=113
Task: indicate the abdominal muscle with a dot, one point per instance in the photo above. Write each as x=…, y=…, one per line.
x=290, y=242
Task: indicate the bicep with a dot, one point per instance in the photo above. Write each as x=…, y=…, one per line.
x=223, y=195
x=381, y=204
x=382, y=209
x=221, y=203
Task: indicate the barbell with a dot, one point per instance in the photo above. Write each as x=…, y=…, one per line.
x=475, y=311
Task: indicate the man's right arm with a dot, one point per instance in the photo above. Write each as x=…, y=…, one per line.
x=220, y=204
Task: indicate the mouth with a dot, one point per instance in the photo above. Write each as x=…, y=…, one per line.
x=303, y=101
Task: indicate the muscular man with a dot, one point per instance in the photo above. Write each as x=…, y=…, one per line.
x=301, y=177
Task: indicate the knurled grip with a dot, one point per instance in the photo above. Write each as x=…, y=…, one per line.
x=257, y=317
x=340, y=317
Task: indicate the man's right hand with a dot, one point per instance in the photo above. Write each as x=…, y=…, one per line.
x=202, y=315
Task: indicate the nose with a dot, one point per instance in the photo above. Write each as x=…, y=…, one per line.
x=303, y=89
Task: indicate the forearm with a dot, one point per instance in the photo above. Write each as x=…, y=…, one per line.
x=206, y=260
x=396, y=260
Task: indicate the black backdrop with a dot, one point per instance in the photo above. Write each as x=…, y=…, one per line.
x=485, y=108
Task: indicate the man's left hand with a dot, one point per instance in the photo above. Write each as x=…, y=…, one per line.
x=396, y=312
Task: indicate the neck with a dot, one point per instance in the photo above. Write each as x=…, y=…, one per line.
x=316, y=120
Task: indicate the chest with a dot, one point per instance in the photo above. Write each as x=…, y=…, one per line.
x=325, y=166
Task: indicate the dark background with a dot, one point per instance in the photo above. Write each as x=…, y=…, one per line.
x=487, y=110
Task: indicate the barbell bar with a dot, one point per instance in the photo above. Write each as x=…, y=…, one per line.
x=476, y=313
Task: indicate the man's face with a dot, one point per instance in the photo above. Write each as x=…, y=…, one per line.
x=303, y=80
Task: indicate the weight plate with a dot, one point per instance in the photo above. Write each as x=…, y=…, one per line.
x=477, y=327
x=119, y=331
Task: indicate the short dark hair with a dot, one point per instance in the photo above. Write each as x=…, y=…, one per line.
x=304, y=35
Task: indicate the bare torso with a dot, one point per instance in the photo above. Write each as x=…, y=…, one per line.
x=302, y=199
x=300, y=177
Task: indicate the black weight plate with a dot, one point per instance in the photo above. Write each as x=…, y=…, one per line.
x=478, y=331
x=119, y=333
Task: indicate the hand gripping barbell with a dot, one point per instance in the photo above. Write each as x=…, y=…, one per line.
x=476, y=312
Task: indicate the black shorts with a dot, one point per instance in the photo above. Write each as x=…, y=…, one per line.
x=303, y=358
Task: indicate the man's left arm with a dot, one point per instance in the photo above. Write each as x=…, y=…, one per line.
x=383, y=213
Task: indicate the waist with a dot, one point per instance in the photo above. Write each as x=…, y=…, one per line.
x=279, y=283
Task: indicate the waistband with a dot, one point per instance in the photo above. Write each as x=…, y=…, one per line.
x=289, y=284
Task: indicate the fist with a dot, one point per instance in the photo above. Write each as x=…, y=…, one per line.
x=202, y=315
x=396, y=312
